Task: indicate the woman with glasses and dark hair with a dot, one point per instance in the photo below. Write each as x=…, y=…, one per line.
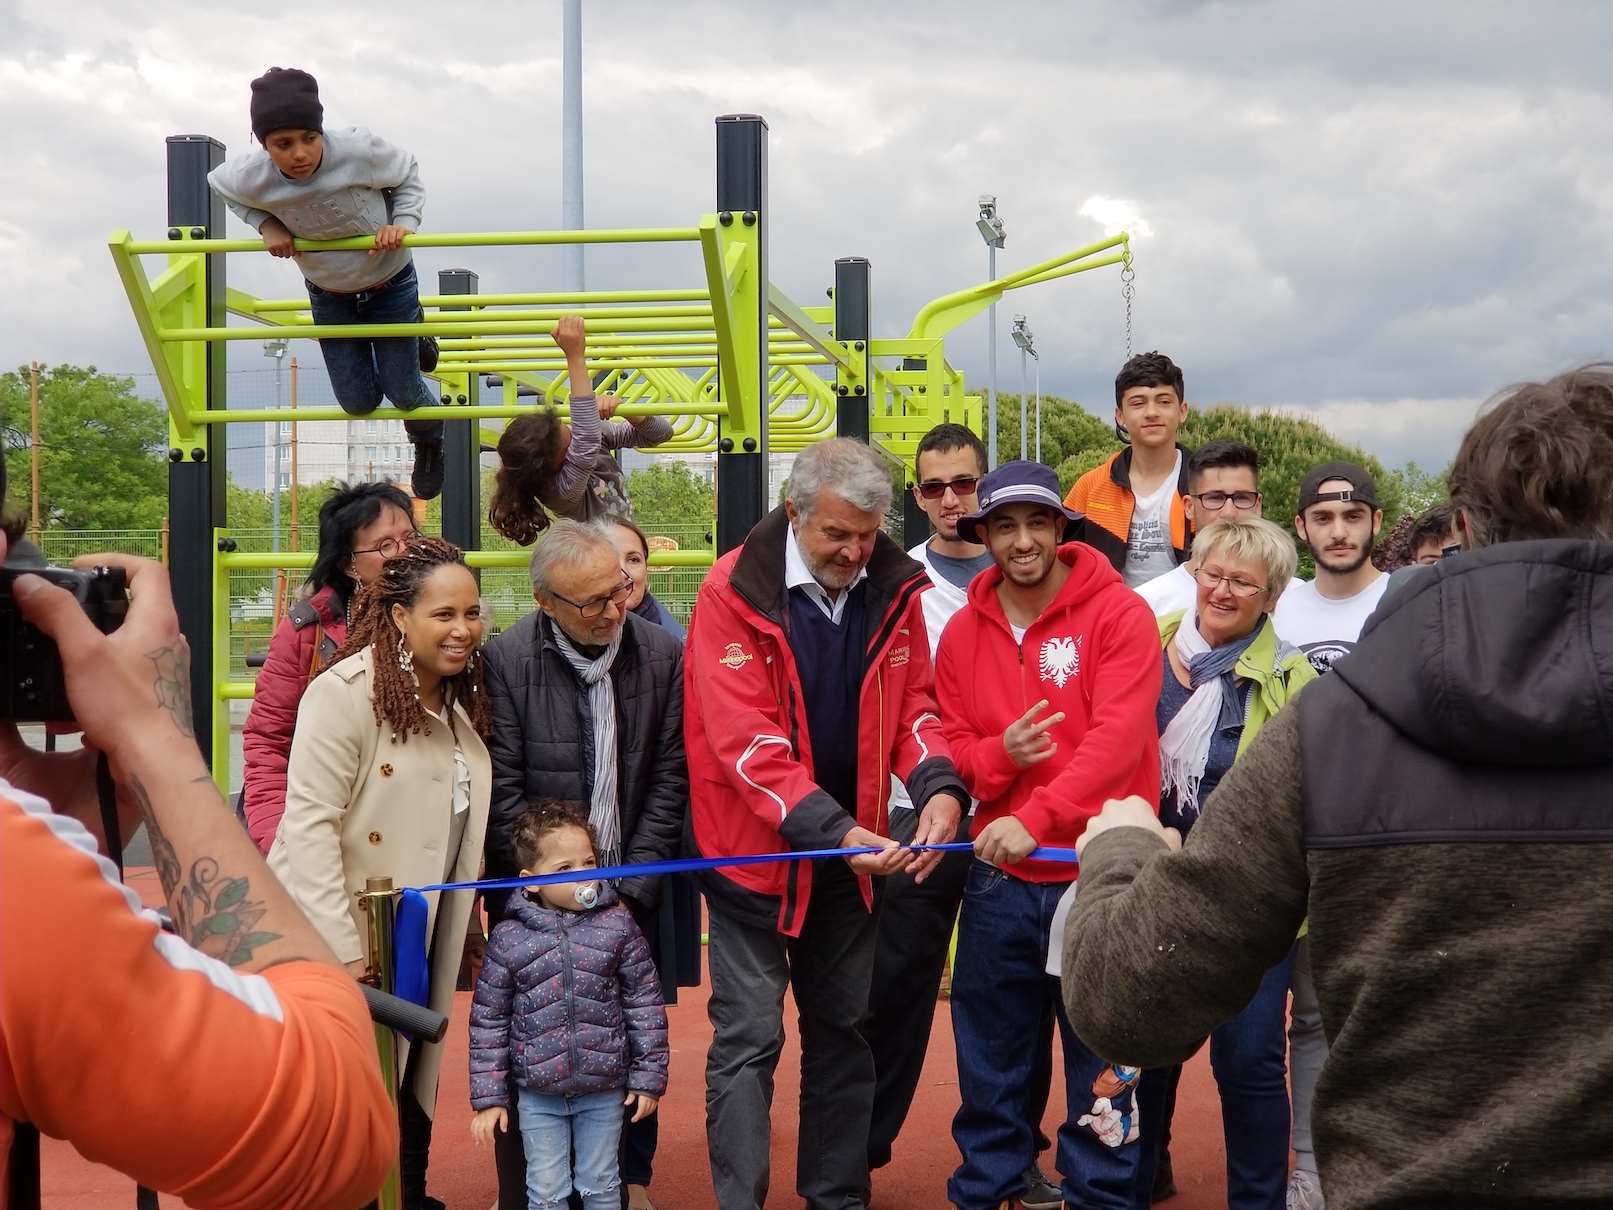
x=1226, y=674
x=360, y=527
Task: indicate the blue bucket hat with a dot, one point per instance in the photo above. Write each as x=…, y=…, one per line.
x=1015, y=483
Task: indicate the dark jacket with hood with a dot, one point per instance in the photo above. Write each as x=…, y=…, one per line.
x=1441, y=805
x=569, y=1002
x=543, y=743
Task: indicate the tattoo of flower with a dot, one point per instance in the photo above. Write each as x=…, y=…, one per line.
x=172, y=684
x=223, y=914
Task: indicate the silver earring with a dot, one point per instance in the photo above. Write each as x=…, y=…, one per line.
x=405, y=658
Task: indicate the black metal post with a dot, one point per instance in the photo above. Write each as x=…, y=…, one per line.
x=852, y=329
x=742, y=478
x=196, y=471
x=915, y=521
x=462, y=445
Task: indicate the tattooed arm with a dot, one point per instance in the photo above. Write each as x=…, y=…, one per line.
x=131, y=693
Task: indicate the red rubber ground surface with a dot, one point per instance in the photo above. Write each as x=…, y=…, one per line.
x=462, y=1174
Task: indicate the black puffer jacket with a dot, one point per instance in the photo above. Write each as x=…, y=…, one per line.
x=543, y=743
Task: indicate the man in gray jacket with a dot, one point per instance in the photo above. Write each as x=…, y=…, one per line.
x=1438, y=805
x=305, y=182
x=587, y=707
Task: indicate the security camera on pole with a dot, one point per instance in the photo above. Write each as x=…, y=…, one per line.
x=1026, y=340
x=990, y=226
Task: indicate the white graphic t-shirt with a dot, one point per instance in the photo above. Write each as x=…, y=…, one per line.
x=1148, y=546
x=1174, y=592
x=1325, y=630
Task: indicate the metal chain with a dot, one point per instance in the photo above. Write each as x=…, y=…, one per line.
x=1127, y=290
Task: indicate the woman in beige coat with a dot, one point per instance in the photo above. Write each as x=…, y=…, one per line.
x=389, y=776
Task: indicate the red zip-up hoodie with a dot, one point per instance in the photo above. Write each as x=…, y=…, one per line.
x=1094, y=654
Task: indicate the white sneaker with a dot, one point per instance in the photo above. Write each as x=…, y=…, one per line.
x=1305, y=1191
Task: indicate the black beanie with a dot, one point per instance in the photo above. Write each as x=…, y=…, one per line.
x=285, y=98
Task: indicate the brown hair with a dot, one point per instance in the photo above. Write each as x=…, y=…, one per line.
x=1538, y=462
x=526, y=454
x=1399, y=547
x=542, y=818
x=643, y=541
x=393, y=690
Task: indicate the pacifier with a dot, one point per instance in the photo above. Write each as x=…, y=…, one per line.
x=586, y=894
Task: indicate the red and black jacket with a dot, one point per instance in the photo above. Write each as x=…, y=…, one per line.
x=745, y=725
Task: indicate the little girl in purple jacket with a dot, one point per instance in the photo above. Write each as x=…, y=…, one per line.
x=569, y=1003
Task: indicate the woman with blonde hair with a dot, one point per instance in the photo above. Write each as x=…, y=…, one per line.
x=1226, y=673
x=389, y=776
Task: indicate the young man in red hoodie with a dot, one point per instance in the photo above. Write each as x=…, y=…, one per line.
x=1048, y=681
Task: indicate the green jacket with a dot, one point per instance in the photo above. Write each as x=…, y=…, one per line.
x=1278, y=671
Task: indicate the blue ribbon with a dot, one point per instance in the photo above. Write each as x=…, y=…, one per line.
x=410, y=976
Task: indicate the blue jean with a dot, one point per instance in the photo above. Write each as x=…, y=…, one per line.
x=1000, y=989
x=362, y=369
x=554, y=1129
x=1248, y=1056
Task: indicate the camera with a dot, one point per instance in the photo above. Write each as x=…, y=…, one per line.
x=32, y=687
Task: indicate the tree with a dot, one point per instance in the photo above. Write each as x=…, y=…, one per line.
x=1419, y=490
x=1072, y=437
x=670, y=499
x=100, y=455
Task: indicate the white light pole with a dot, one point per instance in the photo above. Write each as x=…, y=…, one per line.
x=571, y=140
x=990, y=226
x=1026, y=340
x=277, y=350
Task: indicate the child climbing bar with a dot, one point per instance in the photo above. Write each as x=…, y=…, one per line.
x=569, y=1003
x=567, y=469
x=307, y=183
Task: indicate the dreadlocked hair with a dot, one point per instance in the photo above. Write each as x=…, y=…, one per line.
x=543, y=818
x=526, y=453
x=393, y=690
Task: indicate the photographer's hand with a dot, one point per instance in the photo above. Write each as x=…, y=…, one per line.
x=130, y=692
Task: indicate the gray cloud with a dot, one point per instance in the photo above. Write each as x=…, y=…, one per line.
x=1374, y=213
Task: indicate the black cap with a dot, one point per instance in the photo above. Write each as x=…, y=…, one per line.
x=285, y=98
x=1015, y=483
x=1361, y=486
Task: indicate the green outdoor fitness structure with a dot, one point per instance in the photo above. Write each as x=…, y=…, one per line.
x=739, y=367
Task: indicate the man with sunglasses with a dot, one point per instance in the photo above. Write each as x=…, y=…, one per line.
x=587, y=705
x=1223, y=484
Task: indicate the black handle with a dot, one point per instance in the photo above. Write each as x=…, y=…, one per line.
x=421, y=1024
x=257, y=659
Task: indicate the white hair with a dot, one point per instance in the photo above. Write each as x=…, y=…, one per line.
x=564, y=543
x=1252, y=538
x=847, y=468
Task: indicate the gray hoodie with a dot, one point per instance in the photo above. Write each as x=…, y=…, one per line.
x=359, y=180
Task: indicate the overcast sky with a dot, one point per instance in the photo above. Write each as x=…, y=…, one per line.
x=1377, y=213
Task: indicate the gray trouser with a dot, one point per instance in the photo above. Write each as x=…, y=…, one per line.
x=828, y=968
x=1307, y=1051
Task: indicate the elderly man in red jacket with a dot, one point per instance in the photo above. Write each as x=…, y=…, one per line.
x=807, y=685
x=1048, y=680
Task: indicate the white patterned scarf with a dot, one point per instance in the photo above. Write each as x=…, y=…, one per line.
x=1184, y=748
x=603, y=812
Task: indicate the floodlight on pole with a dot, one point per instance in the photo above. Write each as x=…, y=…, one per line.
x=990, y=226
x=1024, y=338
x=276, y=349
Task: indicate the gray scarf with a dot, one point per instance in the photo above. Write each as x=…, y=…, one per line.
x=604, y=812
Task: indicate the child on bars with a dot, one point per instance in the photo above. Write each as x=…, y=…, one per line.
x=569, y=1002
x=307, y=183
x=567, y=468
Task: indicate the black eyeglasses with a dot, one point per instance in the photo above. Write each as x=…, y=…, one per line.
x=389, y=548
x=934, y=489
x=592, y=609
x=1240, y=588
x=1243, y=500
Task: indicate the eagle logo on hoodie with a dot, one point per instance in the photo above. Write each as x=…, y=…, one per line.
x=1061, y=659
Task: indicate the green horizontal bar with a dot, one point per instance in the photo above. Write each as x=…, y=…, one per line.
x=235, y=690
x=521, y=300
x=487, y=327
x=269, y=560
x=480, y=239
x=480, y=411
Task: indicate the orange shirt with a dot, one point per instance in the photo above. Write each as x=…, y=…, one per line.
x=229, y=1090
